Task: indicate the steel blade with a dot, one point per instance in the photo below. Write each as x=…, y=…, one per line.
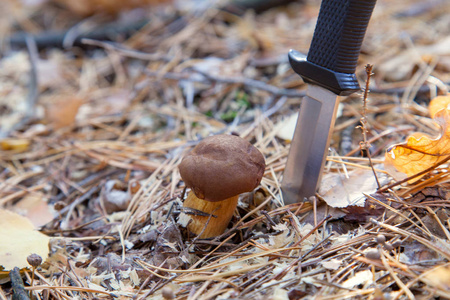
x=309, y=146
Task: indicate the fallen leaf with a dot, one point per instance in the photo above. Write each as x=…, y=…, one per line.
x=19, y=239
x=422, y=151
x=438, y=277
x=62, y=112
x=295, y=294
x=134, y=277
x=417, y=253
x=35, y=207
x=332, y=264
x=280, y=294
x=285, y=129
x=362, y=214
x=439, y=103
x=359, y=278
x=15, y=144
x=340, y=191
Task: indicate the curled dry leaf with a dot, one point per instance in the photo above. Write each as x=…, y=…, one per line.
x=422, y=151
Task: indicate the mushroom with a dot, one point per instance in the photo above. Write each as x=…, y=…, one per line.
x=217, y=170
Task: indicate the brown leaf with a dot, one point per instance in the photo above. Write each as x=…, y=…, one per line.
x=62, y=113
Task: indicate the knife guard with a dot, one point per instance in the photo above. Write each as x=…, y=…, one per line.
x=335, y=47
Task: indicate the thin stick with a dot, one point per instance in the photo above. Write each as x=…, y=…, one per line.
x=365, y=145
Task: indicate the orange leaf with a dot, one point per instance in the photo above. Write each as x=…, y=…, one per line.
x=422, y=151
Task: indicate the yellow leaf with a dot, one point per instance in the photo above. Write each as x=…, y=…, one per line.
x=438, y=277
x=15, y=144
x=19, y=239
x=422, y=151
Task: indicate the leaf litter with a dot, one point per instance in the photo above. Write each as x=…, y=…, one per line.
x=99, y=151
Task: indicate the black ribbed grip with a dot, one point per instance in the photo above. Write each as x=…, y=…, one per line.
x=334, y=51
x=339, y=33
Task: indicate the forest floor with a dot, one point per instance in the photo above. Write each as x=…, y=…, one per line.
x=97, y=112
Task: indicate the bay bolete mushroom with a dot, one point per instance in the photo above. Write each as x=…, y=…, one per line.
x=217, y=170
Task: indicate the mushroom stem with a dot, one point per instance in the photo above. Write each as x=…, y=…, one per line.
x=222, y=212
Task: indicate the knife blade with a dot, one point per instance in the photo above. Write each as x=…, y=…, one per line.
x=329, y=71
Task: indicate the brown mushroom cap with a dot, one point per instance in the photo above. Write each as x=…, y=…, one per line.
x=222, y=166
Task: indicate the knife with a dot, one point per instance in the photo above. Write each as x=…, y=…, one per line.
x=329, y=71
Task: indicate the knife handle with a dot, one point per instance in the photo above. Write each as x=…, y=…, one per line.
x=341, y=26
x=336, y=44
